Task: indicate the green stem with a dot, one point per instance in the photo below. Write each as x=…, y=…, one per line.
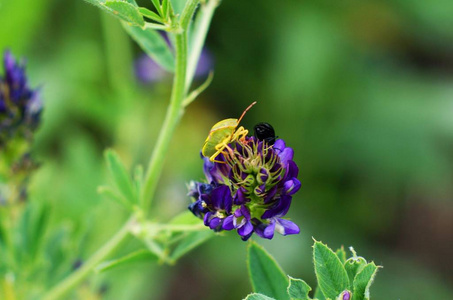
x=174, y=111
x=172, y=117
x=187, y=14
x=74, y=278
x=171, y=120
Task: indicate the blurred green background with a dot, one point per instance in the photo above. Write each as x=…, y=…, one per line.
x=361, y=90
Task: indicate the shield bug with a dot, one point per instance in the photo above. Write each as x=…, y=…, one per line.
x=265, y=132
x=223, y=133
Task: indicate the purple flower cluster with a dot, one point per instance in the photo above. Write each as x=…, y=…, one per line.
x=20, y=106
x=250, y=190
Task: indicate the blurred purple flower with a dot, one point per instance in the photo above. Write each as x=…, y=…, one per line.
x=250, y=190
x=148, y=71
x=205, y=64
x=346, y=295
x=20, y=106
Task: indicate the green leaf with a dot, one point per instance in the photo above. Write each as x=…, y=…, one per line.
x=318, y=294
x=298, y=289
x=189, y=242
x=126, y=12
x=353, y=266
x=137, y=256
x=113, y=195
x=32, y=226
x=138, y=180
x=150, y=14
x=154, y=45
x=120, y=176
x=330, y=273
x=97, y=3
x=41, y=219
x=178, y=5
x=257, y=296
x=265, y=274
x=341, y=254
x=156, y=4
x=195, y=93
x=165, y=8
x=363, y=281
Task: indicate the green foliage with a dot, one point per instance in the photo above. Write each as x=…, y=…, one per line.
x=138, y=256
x=368, y=109
x=298, y=289
x=330, y=272
x=150, y=14
x=178, y=5
x=341, y=254
x=257, y=296
x=318, y=294
x=154, y=45
x=265, y=274
x=187, y=240
x=353, y=266
x=124, y=10
x=122, y=179
x=362, y=282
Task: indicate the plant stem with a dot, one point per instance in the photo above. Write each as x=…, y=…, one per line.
x=171, y=120
x=174, y=111
x=172, y=117
x=74, y=278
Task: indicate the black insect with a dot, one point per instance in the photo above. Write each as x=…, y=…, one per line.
x=265, y=132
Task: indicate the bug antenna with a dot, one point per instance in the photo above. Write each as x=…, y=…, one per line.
x=246, y=110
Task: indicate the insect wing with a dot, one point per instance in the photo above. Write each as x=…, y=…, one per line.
x=218, y=133
x=227, y=123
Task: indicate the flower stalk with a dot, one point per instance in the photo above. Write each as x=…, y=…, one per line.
x=172, y=117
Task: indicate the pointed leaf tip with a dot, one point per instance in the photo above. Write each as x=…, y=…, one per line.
x=330, y=272
x=265, y=274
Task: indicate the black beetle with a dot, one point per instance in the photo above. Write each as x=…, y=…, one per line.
x=265, y=132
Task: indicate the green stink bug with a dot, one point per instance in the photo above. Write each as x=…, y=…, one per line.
x=223, y=133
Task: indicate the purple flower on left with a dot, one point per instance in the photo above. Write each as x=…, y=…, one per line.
x=20, y=105
x=20, y=115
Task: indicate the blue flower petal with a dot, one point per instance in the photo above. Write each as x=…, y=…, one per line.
x=221, y=198
x=286, y=227
x=279, y=209
x=240, y=197
x=245, y=229
x=228, y=223
x=266, y=231
x=215, y=223
x=290, y=187
x=279, y=146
